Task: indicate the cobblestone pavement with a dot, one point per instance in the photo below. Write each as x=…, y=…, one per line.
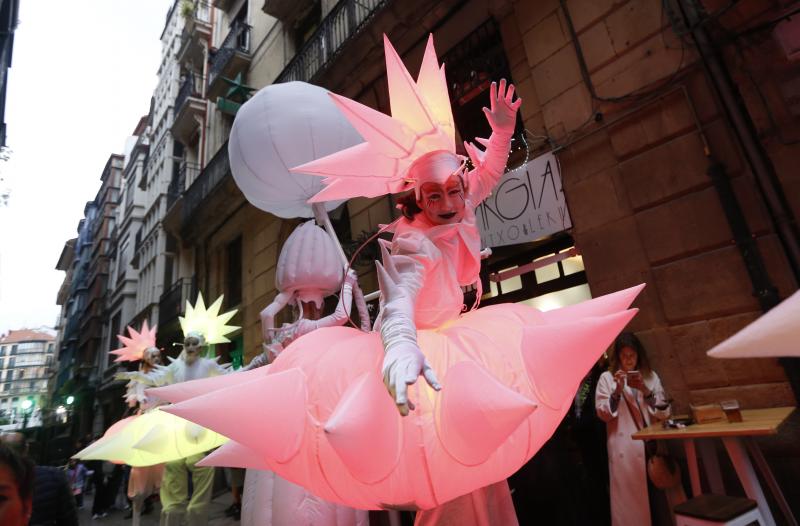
x=116, y=517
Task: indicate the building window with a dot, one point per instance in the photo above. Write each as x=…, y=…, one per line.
x=13, y=350
x=560, y=281
x=3, y=350
x=6, y=387
x=472, y=65
x=306, y=24
x=49, y=347
x=32, y=385
x=9, y=375
x=20, y=374
x=115, y=322
x=11, y=362
x=233, y=275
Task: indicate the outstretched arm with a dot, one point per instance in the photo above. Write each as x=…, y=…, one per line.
x=338, y=317
x=269, y=313
x=400, y=278
x=490, y=164
x=159, y=376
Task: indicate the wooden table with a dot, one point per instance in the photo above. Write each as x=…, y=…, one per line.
x=738, y=440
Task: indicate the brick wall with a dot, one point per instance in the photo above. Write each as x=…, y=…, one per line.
x=642, y=206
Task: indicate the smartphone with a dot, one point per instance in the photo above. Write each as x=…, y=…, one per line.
x=630, y=374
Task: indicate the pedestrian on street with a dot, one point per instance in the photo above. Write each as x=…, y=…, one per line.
x=16, y=487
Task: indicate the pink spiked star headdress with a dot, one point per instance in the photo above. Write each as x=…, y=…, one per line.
x=421, y=124
x=133, y=348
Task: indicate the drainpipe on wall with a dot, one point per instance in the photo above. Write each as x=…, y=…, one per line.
x=741, y=123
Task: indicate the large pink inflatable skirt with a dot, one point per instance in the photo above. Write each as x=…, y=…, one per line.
x=322, y=418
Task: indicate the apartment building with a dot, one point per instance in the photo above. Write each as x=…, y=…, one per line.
x=26, y=367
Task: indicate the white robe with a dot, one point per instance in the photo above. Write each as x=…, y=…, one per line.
x=270, y=500
x=626, y=456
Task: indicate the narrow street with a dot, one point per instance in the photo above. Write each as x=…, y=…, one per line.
x=117, y=517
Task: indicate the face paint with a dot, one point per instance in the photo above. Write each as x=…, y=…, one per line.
x=443, y=204
x=152, y=356
x=191, y=348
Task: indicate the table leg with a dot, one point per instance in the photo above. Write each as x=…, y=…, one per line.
x=711, y=465
x=691, y=461
x=769, y=478
x=747, y=476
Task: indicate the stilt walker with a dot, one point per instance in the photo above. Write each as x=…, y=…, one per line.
x=355, y=425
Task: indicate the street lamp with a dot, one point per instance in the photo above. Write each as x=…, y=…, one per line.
x=70, y=399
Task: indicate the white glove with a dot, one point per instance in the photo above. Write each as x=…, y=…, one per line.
x=399, y=281
x=270, y=311
x=270, y=351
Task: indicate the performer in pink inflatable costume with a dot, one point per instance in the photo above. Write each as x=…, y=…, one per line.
x=509, y=372
x=308, y=270
x=140, y=346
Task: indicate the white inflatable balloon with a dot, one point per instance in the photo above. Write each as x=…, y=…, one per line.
x=281, y=126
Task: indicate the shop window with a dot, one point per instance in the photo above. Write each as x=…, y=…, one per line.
x=512, y=275
x=547, y=272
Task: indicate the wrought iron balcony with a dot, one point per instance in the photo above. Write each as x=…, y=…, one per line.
x=212, y=175
x=186, y=171
x=172, y=302
x=189, y=88
x=231, y=58
x=189, y=109
x=344, y=21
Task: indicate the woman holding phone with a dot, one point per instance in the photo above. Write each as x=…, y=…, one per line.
x=628, y=397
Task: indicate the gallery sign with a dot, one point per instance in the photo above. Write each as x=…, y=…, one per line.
x=527, y=204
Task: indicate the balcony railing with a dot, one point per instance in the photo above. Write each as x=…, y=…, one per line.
x=238, y=39
x=342, y=23
x=211, y=176
x=71, y=331
x=189, y=88
x=171, y=304
x=202, y=12
x=186, y=171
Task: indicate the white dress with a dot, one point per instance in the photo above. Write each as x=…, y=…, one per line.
x=626, y=456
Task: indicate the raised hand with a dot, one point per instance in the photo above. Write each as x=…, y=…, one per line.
x=502, y=111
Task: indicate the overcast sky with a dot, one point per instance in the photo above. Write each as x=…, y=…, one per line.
x=82, y=74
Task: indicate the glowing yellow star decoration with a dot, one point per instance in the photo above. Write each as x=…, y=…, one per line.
x=151, y=438
x=208, y=322
x=133, y=348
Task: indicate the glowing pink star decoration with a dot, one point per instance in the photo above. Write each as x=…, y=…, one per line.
x=133, y=348
x=421, y=122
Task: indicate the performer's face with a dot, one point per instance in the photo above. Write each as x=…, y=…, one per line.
x=191, y=347
x=152, y=356
x=443, y=204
